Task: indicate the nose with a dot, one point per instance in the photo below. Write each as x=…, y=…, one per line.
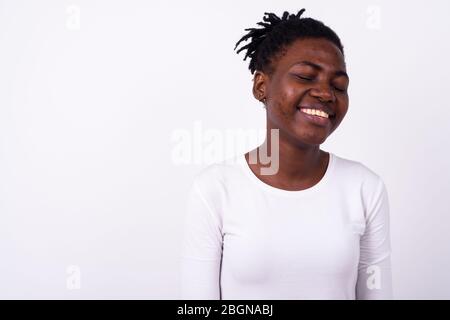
x=323, y=92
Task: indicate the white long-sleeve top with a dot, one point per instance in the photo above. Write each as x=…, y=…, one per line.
x=244, y=239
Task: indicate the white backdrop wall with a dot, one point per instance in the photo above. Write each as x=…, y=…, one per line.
x=109, y=108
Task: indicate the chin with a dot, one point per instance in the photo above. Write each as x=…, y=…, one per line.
x=309, y=142
x=311, y=138
x=315, y=143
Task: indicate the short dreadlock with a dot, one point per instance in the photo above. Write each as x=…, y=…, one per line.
x=277, y=33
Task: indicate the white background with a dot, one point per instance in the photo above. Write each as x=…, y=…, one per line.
x=93, y=95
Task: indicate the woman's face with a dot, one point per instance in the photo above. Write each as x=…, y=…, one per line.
x=310, y=75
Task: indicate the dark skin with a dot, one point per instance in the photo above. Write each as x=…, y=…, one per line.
x=309, y=72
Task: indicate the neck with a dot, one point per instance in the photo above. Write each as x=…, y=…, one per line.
x=296, y=161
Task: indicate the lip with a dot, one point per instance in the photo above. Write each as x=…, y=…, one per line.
x=317, y=106
x=317, y=120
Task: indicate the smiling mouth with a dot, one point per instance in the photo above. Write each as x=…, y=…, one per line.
x=315, y=116
x=316, y=113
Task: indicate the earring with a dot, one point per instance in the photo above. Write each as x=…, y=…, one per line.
x=263, y=100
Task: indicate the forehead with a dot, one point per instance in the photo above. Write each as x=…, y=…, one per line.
x=319, y=51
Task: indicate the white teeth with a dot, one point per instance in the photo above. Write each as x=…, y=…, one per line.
x=315, y=112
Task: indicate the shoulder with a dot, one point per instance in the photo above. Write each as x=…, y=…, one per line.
x=356, y=171
x=351, y=172
x=213, y=181
x=217, y=173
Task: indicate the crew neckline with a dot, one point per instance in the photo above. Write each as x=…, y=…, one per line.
x=274, y=190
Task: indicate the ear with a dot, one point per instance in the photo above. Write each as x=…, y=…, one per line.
x=260, y=85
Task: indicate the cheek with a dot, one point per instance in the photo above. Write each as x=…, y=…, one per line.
x=281, y=108
x=287, y=96
x=342, y=106
x=278, y=114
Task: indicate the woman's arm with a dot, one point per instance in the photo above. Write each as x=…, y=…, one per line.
x=201, y=249
x=374, y=270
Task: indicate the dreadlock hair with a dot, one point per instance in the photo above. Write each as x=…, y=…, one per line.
x=277, y=33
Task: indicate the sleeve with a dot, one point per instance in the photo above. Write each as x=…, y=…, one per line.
x=374, y=269
x=201, y=249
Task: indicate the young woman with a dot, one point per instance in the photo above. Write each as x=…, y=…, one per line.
x=314, y=226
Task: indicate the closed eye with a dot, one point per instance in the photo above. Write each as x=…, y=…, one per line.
x=303, y=78
x=339, y=89
x=309, y=79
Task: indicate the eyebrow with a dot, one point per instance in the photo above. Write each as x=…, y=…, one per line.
x=318, y=67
